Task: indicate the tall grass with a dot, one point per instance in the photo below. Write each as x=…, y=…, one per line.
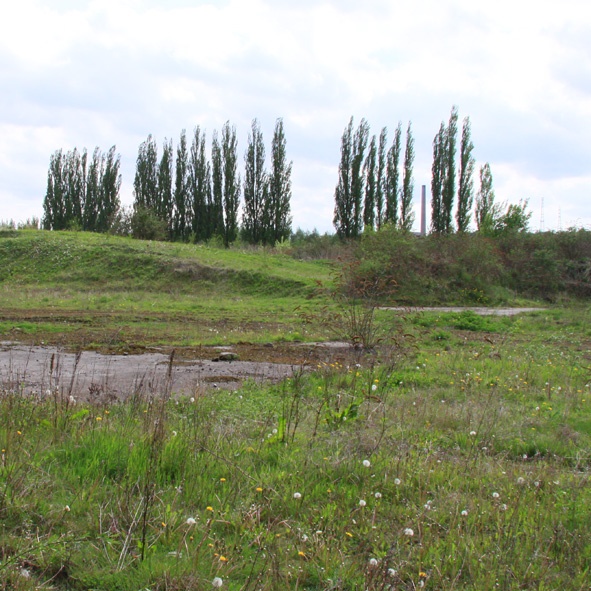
x=463, y=464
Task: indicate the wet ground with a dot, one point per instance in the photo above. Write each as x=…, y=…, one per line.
x=89, y=374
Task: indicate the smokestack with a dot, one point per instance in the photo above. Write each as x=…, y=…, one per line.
x=423, y=210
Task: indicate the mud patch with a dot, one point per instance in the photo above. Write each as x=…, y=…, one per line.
x=92, y=375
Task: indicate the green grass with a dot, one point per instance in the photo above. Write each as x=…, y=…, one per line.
x=472, y=432
x=481, y=449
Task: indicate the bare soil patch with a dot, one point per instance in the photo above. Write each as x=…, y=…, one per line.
x=183, y=371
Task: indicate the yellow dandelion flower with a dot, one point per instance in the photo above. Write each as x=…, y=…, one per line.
x=209, y=508
x=99, y=418
x=223, y=559
x=259, y=489
x=300, y=553
x=349, y=534
x=222, y=480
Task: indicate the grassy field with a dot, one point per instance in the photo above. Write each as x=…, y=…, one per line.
x=454, y=455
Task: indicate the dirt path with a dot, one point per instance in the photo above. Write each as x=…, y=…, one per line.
x=481, y=311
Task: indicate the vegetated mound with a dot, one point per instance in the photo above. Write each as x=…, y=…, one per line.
x=472, y=269
x=87, y=261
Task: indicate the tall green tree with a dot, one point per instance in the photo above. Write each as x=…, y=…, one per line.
x=110, y=186
x=343, y=219
x=217, y=186
x=182, y=204
x=466, y=184
x=164, y=207
x=381, y=177
x=279, y=188
x=357, y=179
x=438, y=172
x=449, y=180
x=145, y=184
x=485, y=200
x=231, y=191
x=200, y=189
x=54, y=212
x=392, y=185
x=256, y=189
x=93, y=191
x=406, y=213
x=369, y=173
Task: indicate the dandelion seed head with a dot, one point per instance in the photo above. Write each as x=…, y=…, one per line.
x=362, y=503
x=378, y=495
x=297, y=495
x=409, y=532
x=374, y=387
x=472, y=433
x=496, y=495
x=373, y=562
x=217, y=582
x=366, y=463
x=521, y=481
x=191, y=521
x=464, y=513
x=392, y=572
x=397, y=481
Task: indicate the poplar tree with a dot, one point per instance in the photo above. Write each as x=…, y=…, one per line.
x=381, y=177
x=92, y=191
x=145, y=184
x=392, y=185
x=200, y=186
x=164, y=206
x=437, y=181
x=406, y=213
x=231, y=186
x=466, y=184
x=342, y=219
x=485, y=200
x=110, y=186
x=182, y=206
x=357, y=180
x=254, y=217
x=217, y=187
x=53, y=204
x=449, y=179
x=279, y=188
x=369, y=173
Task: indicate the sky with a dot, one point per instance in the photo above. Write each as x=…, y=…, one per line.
x=85, y=74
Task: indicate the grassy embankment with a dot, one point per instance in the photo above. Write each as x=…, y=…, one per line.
x=458, y=459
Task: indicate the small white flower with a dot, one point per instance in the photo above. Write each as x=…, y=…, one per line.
x=472, y=433
x=536, y=483
x=274, y=431
x=392, y=572
x=297, y=495
x=191, y=521
x=397, y=481
x=217, y=582
x=373, y=562
x=464, y=513
x=362, y=503
x=409, y=532
x=496, y=495
x=366, y=463
x=378, y=495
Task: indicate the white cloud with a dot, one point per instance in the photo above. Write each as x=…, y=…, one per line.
x=103, y=72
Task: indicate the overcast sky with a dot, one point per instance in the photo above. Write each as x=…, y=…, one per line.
x=78, y=73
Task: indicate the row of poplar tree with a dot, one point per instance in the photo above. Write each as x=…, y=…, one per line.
x=375, y=189
x=187, y=195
